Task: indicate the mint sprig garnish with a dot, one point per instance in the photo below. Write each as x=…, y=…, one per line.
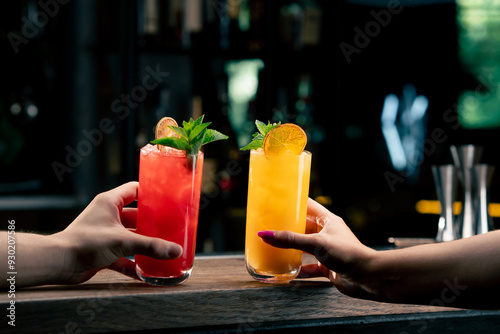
x=258, y=137
x=193, y=135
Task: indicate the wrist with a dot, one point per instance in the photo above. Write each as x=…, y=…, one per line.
x=369, y=277
x=389, y=277
x=38, y=259
x=63, y=257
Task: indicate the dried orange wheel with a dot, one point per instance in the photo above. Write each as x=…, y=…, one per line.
x=285, y=139
x=162, y=130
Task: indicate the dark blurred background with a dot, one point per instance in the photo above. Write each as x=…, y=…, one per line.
x=84, y=82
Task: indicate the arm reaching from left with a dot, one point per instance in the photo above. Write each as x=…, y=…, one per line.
x=96, y=239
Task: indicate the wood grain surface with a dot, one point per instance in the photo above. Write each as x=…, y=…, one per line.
x=220, y=296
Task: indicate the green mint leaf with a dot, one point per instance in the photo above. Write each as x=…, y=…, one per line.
x=193, y=135
x=178, y=143
x=197, y=130
x=213, y=135
x=179, y=131
x=197, y=145
x=261, y=127
x=198, y=141
x=258, y=137
x=257, y=142
x=253, y=145
x=270, y=126
x=198, y=121
x=187, y=125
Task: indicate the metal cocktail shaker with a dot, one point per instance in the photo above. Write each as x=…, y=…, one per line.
x=465, y=157
x=482, y=179
x=446, y=181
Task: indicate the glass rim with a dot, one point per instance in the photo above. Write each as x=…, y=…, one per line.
x=177, y=154
x=283, y=155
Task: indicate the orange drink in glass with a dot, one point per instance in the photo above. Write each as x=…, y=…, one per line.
x=278, y=189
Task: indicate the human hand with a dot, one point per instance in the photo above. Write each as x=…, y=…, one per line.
x=341, y=256
x=103, y=234
x=461, y=273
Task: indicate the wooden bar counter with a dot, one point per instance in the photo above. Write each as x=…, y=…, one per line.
x=221, y=297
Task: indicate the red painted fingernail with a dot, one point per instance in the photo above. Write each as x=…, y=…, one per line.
x=266, y=234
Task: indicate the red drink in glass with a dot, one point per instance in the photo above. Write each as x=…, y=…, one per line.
x=167, y=208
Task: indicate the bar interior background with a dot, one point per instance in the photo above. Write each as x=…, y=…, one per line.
x=84, y=82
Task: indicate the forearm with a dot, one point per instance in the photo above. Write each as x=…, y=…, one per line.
x=35, y=259
x=464, y=273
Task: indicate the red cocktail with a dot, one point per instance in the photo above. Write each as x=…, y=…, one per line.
x=167, y=208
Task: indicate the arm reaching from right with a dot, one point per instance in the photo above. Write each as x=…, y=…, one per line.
x=461, y=273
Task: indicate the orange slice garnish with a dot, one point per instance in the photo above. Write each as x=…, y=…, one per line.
x=286, y=138
x=162, y=130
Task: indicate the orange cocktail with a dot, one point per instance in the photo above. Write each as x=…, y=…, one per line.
x=167, y=208
x=278, y=189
